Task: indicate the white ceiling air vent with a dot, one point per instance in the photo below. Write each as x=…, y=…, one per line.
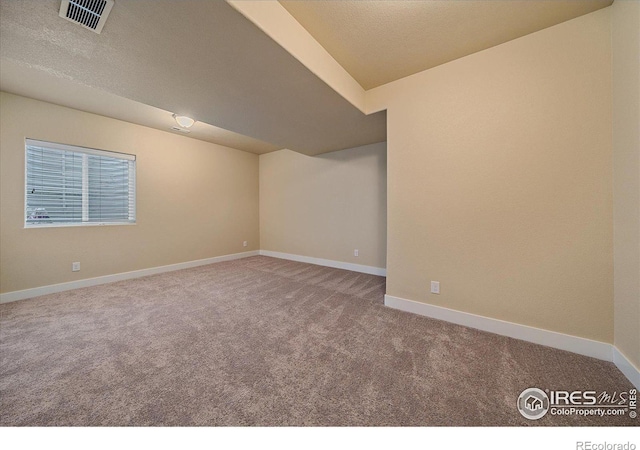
x=91, y=14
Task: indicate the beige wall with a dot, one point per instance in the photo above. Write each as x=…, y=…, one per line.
x=500, y=181
x=194, y=199
x=626, y=176
x=325, y=206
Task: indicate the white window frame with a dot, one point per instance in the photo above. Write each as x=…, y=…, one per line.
x=85, y=151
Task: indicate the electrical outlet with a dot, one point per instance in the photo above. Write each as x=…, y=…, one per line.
x=435, y=287
x=245, y=243
x=75, y=267
x=355, y=252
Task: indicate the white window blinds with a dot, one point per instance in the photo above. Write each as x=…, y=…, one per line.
x=67, y=185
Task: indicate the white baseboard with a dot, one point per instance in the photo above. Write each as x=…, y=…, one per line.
x=51, y=289
x=327, y=263
x=561, y=341
x=626, y=367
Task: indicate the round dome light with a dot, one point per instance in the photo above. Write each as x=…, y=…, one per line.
x=184, y=121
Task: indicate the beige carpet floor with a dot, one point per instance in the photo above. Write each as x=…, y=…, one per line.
x=264, y=341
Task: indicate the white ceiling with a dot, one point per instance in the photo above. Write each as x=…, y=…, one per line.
x=381, y=41
x=206, y=60
x=198, y=58
x=34, y=82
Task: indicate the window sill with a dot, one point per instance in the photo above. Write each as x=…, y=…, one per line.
x=73, y=225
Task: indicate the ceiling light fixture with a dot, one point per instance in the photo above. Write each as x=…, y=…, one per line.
x=184, y=121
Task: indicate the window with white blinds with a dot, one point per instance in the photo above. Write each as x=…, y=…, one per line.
x=67, y=185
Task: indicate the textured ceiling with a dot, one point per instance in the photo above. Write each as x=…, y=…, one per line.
x=198, y=58
x=382, y=41
x=35, y=83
